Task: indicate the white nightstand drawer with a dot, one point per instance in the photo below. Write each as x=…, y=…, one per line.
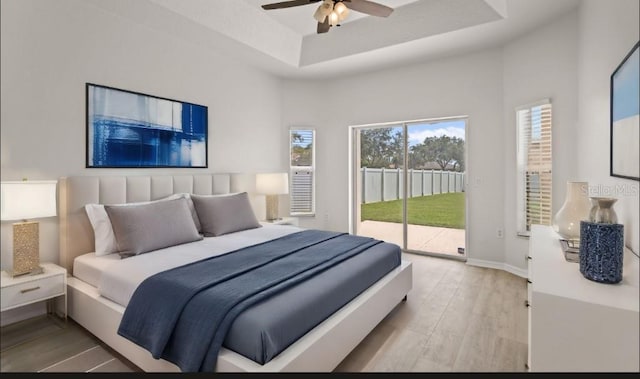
x=32, y=291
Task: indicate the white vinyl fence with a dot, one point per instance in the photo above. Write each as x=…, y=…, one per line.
x=380, y=184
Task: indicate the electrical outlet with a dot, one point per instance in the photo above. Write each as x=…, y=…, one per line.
x=499, y=233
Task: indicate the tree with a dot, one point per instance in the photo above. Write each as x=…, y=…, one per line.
x=396, y=148
x=457, y=154
x=300, y=152
x=443, y=150
x=381, y=148
x=296, y=137
x=418, y=156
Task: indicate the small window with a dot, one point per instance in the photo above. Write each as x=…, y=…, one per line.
x=534, y=161
x=302, y=164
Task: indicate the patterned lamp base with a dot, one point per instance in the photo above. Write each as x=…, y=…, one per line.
x=601, y=251
x=272, y=207
x=26, y=245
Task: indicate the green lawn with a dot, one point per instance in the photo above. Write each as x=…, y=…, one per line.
x=446, y=210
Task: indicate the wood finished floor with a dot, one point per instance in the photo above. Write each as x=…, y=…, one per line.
x=456, y=318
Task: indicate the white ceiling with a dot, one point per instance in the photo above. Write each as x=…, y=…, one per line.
x=284, y=41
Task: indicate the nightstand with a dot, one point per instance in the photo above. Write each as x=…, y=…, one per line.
x=27, y=289
x=283, y=221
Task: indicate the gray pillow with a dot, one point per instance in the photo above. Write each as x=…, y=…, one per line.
x=224, y=214
x=147, y=227
x=192, y=209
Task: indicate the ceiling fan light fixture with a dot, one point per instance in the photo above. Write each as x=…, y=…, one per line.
x=332, y=12
x=334, y=18
x=340, y=7
x=319, y=15
x=341, y=10
x=323, y=11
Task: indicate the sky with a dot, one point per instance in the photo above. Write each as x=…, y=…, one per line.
x=418, y=132
x=625, y=91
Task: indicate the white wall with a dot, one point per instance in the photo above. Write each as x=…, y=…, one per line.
x=465, y=85
x=608, y=31
x=50, y=49
x=305, y=104
x=541, y=64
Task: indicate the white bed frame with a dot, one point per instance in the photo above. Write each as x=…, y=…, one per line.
x=321, y=349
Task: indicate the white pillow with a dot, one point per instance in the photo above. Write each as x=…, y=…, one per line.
x=105, y=238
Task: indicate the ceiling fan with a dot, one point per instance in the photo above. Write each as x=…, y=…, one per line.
x=332, y=12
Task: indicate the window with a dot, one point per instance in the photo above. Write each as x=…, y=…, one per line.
x=534, y=165
x=302, y=154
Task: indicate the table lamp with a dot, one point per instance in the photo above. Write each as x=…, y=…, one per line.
x=23, y=200
x=272, y=185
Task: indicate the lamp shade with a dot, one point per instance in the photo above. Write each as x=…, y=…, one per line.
x=272, y=184
x=27, y=199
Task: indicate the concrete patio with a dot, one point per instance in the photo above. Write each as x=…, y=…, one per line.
x=429, y=239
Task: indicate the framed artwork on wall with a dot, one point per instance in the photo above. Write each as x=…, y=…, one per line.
x=128, y=129
x=625, y=118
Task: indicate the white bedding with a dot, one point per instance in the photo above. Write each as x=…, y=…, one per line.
x=89, y=267
x=117, y=278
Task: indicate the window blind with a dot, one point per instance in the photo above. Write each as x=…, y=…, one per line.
x=302, y=148
x=534, y=165
x=301, y=192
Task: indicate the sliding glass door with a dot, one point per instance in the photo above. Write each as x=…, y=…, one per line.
x=381, y=172
x=409, y=185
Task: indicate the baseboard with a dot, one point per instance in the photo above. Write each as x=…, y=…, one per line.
x=517, y=271
x=499, y=266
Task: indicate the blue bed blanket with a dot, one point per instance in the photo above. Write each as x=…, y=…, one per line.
x=182, y=315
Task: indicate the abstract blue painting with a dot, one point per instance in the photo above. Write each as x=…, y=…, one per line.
x=133, y=130
x=625, y=117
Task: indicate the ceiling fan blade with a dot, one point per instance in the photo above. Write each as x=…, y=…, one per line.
x=323, y=27
x=288, y=4
x=369, y=7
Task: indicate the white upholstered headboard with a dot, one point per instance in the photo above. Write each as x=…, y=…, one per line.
x=76, y=234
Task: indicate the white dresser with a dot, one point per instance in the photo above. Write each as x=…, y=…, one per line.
x=576, y=324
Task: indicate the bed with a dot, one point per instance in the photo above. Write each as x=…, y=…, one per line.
x=101, y=311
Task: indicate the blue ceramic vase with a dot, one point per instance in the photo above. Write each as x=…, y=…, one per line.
x=601, y=251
